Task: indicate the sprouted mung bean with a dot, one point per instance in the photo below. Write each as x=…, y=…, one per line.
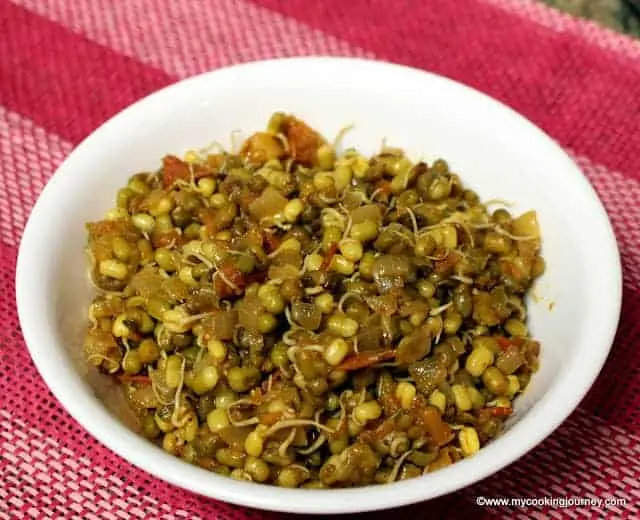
x=292, y=316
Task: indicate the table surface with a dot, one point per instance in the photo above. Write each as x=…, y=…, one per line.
x=620, y=15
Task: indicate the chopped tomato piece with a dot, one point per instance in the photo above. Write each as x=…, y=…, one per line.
x=503, y=343
x=384, y=429
x=270, y=241
x=485, y=414
x=270, y=418
x=255, y=277
x=174, y=169
x=365, y=359
x=447, y=263
x=208, y=218
x=303, y=141
x=230, y=281
x=207, y=463
x=510, y=269
x=246, y=199
x=501, y=411
x=135, y=336
x=166, y=239
x=384, y=187
x=439, y=430
x=326, y=263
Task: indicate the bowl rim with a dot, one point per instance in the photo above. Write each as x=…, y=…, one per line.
x=37, y=332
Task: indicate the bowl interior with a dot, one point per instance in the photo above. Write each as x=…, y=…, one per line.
x=495, y=151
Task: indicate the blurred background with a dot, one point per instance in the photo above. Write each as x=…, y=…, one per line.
x=619, y=15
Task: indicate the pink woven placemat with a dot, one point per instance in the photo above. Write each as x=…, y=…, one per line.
x=67, y=65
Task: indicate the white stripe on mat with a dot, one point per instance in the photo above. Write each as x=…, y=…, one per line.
x=186, y=38
x=37, y=471
x=30, y=155
x=620, y=196
x=559, y=21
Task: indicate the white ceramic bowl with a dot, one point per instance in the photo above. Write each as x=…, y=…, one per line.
x=496, y=151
